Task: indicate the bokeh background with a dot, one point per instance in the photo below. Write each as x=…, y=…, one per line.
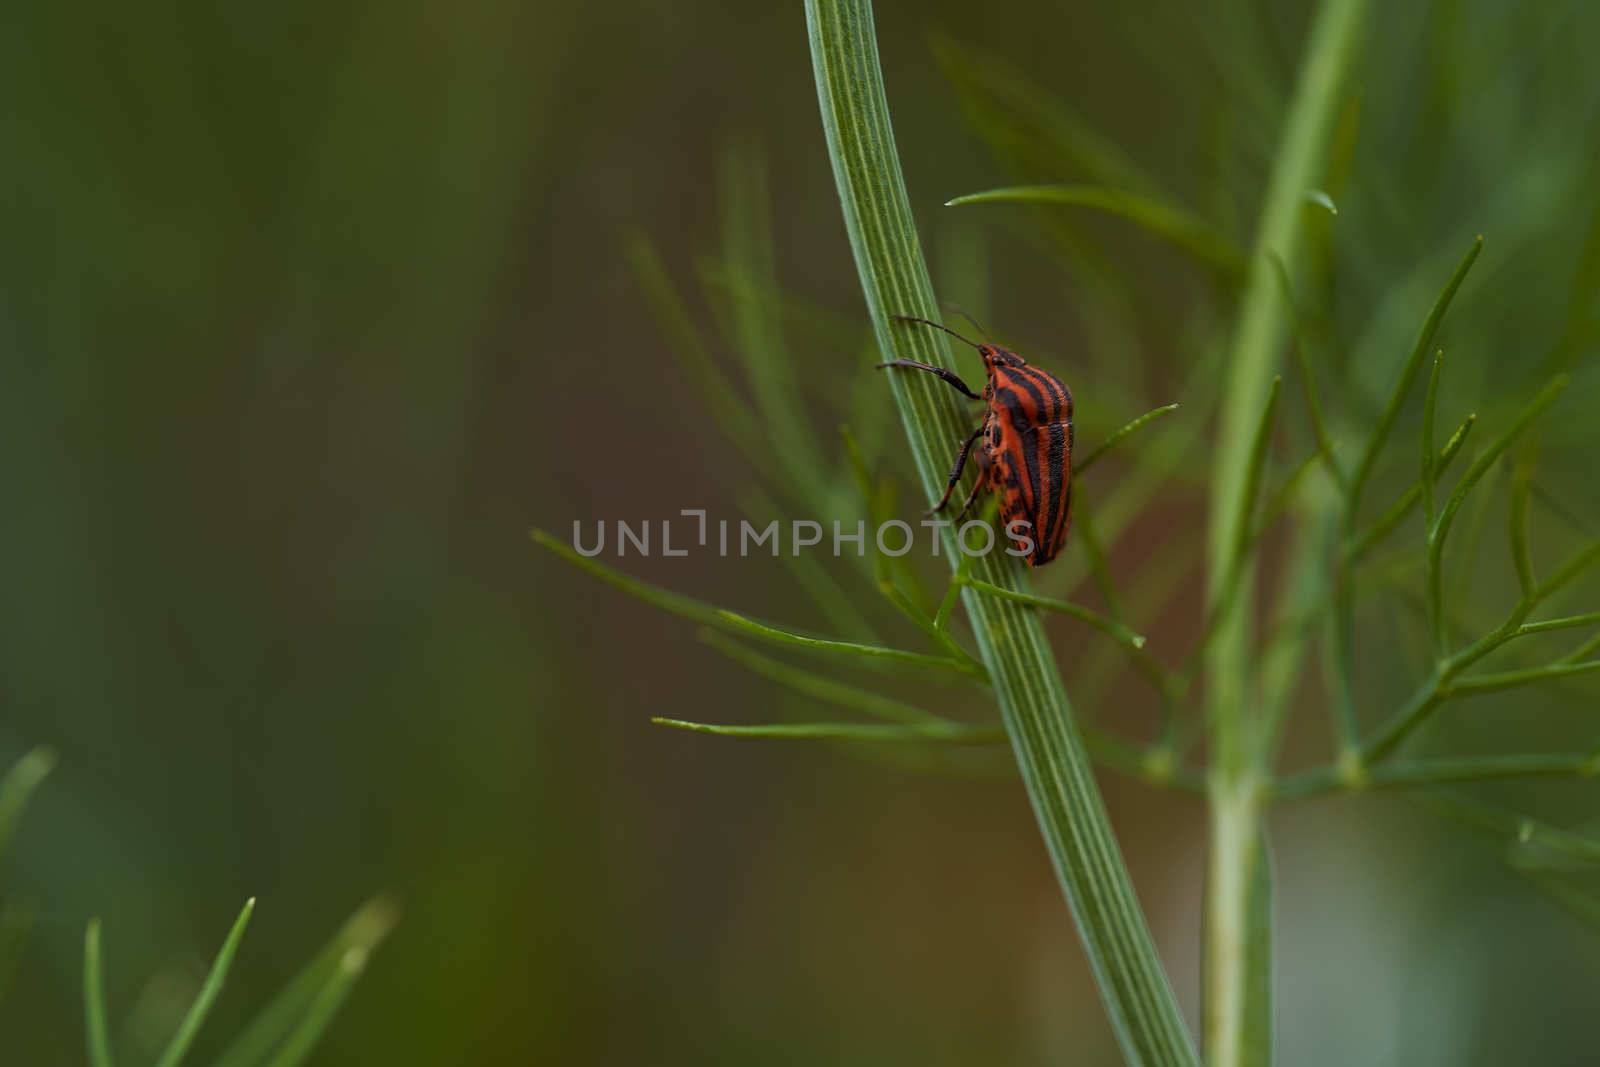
x=311, y=311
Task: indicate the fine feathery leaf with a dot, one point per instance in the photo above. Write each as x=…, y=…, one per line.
x=1408, y=374
x=298, y=1013
x=1173, y=224
x=94, y=999
x=17, y=787
x=1105, y=446
x=178, y=1047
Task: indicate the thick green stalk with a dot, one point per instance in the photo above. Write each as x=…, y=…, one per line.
x=1234, y=1030
x=1033, y=702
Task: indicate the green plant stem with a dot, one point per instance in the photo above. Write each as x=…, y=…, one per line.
x=1033, y=702
x=1236, y=1031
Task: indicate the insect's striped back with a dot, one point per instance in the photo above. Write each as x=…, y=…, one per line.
x=1031, y=449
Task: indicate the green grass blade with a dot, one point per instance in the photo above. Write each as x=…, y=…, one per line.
x=1033, y=702
x=94, y=999
x=1408, y=374
x=940, y=732
x=17, y=787
x=1116, y=437
x=815, y=686
x=1173, y=224
x=273, y=1025
x=210, y=989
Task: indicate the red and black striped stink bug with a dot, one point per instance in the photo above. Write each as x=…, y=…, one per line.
x=1027, y=443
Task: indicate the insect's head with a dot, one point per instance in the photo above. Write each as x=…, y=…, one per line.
x=995, y=356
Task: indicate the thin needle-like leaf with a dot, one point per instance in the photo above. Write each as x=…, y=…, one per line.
x=1408, y=374
x=942, y=732
x=670, y=602
x=1566, y=622
x=1429, y=505
x=732, y=412
x=1440, y=530
x=295, y=1004
x=94, y=999
x=1110, y=751
x=847, y=648
x=1088, y=461
x=1494, y=683
x=1419, y=773
x=1521, y=553
x=1308, y=380
x=815, y=686
x=324, y=1006
x=1570, y=571
x=1396, y=513
x=209, y=990
x=1110, y=627
x=1175, y=225
x=18, y=786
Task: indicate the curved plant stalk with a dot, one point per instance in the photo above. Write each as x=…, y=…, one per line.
x=1027, y=683
x=1236, y=1028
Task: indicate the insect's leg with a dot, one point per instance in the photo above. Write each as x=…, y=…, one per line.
x=961, y=465
x=972, y=497
x=949, y=376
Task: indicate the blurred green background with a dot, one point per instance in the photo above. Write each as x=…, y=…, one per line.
x=311, y=311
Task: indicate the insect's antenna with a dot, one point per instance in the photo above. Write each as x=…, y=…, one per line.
x=987, y=336
x=936, y=326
